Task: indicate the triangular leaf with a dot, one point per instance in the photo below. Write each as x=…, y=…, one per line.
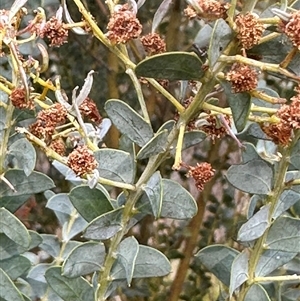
x=284, y=234
x=253, y=177
x=177, y=202
x=286, y=200
x=84, y=259
x=69, y=288
x=172, y=66
x=128, y=122
x=255, y=226
x=257, y=292
x=90, y=203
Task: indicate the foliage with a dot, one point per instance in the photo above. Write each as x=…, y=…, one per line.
x=188, y=189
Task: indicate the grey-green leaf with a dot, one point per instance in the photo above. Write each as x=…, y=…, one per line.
x=239, y=271
x=50, y=244
x=25, y=186
x=149, y=263
x=255, y=226
x=253, y=177
x=284, y=234
x=104, y=226
x=295, y=155
x=128, y=122
x=69, y=288
x=155, y=146
x=14, y=229
x=8, y=291
x=171, y=65
x=257, y=292
x=249, y=152
x=127, y=255
x=24, y=155
x=218, y=260
x=220, y=37
x=16, y=266
x=115, y=165
x=154, y=192
x=286, y=200
x=90, y=203
x=270, y=260
x=240, y=104
x=84, y=259
x=177, y=202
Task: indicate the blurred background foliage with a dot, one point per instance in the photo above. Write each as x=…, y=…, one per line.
x=221, y=208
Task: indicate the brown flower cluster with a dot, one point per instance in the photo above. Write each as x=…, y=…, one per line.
x=242, y=77
x=47, y=121
x=289, y=115
x=215, y=129
x=201, y=173
x=153, y=44
x=207, y=9
x=58, y=146
x=89, y=109
x=123, y=25
x=18, y=99
x=249, y=29
x=55, y=31
x=82, y=161
x=292, y=28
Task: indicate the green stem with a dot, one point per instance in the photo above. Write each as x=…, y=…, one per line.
x=278, y=278
x=139, y=93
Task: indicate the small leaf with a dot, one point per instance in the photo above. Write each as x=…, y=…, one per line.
x=25, y=186
x=292, y=294
x=249, y=152
x=24, y=155
x=127, y=255
x=172, y=66
x=90, y=203
x=284, y=234
x=84, y=259
x=69, y=288
x=149, y=263
x=257, y=292
x=128, y=122
x=14, y=229
x=50, y=244
x=240, y=104
x=74, y=226
x=35, y=239
x=155, y=146
x=8, y=291
x=168, y=125
x=239, y=272
x=104, y=226
x=203, y=36
x=154, y=192
x=37, y=273
x=16, y=266
x=115, y=165
x=255, y=226
x=253, y=177
x=286, y=200
x=252, y=205
x=270, y=260
x=9, y=248
x=220, y=38
x=177, y=202
x=160, y=13
x=218, y=260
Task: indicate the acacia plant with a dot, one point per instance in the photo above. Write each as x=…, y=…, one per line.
x=216, y=178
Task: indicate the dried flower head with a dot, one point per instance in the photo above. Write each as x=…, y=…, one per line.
x=292, y=28
x=47, y=120
x=58, y=146
x=123, y=25
x=215, y=129
x=89, y=109
x=201, y=173
x=153, y=44
x=192, y=123
x=207, y=9
x=280, y=133
x=55, y=31
x=82, y=161
x=242, y=77
x=18, y=99
x=249, y=29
